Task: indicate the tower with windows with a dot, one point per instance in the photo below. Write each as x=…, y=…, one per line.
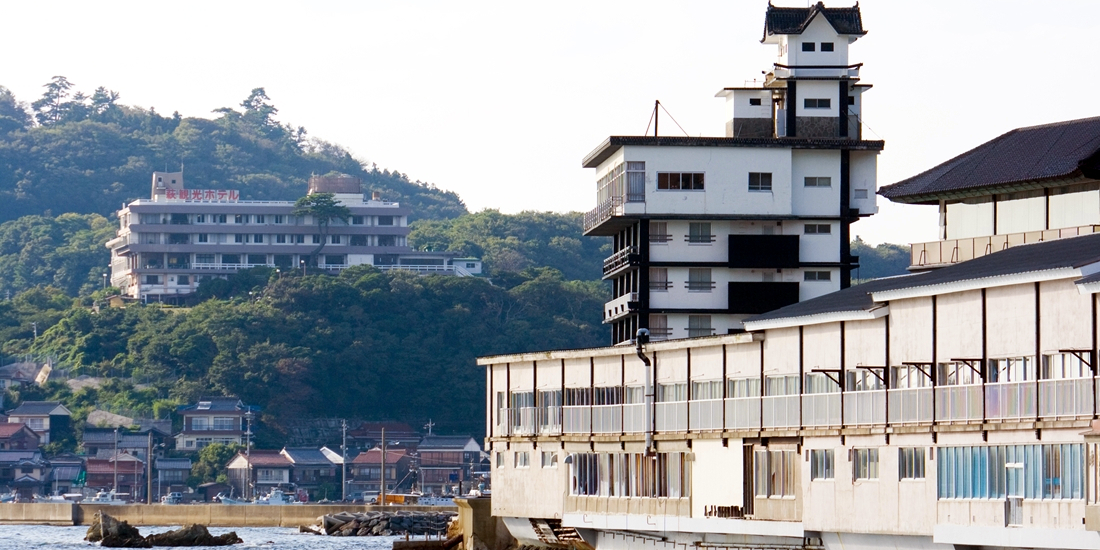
x=709, y=230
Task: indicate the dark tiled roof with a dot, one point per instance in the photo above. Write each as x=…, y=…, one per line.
x=1095, y=277
x=795, y=20
x=173, y=463
x=1021, y=159
x=12, y=428
x=65, y=473
x=444, y=442
x=374, y=456
x=1072, y=252
x=270, y=459
x=307, y=457
x=35, y=408
x=854, y=298
x=10, y=457
x=613, y=143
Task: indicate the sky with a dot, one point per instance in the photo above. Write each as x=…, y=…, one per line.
x=499, y=101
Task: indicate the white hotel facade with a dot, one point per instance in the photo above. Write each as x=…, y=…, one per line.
x=955, y=407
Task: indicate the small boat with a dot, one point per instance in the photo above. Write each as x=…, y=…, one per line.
x=172, y=498
x=54, y=498
x=435, y=501
x=9, y=497
x=105, y=497
x=275, y=498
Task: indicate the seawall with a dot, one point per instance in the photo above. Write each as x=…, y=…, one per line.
x=214, y=515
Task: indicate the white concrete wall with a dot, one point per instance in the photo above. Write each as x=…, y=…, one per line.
x=821, y=345
x=818, y=89
x=969, y=220
x=743, y=361
x=607, y=371
x=1074, y=209
x=671, y=366
x=578, y=373
x=706, y=363
x=1064, y=316
x=738, y=104
x=549, y=374
x=865, y=343
x=1020, y=215
x=678, y=249
x=716, y=475
x=513, y=487
x=959, y=326
x=819, y=201
x=522, y=377
x=863, y=172
x=781, y=348
x=819, y=30
x=819, y=247
x=910, y=330
x=1010, y=313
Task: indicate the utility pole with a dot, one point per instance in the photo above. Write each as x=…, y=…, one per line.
x=248, y=451
x=149, y=470
x=34, y=325
x=382, y=490
x=344, y=461
x=116, y=460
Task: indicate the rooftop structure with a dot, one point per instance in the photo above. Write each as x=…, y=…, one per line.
x=709, y=230
x=167, y=245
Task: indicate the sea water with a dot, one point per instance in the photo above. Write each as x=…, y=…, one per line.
x=45, y=536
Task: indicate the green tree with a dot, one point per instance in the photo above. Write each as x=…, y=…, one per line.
x=324, y=209
x=211, y=463
x=13, y=114
x=53, y=107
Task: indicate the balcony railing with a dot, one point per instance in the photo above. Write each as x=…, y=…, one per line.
x=705, y=414
x=634, y=418
x=865, y=408
x=910, y=405
x=607, y=419
x=821, y=410
x=781, y=411
x=1068, y=398
x=624, y=258
x=1010, y=400
x=672, y=416
x=947, y=252
x=523, y=420
x=619, y=307
x=550, y=420
x=959, y=403
x=743, y=413
x=603, y=212
x=577, y=419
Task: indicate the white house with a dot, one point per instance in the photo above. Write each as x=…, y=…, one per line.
x=709, y=230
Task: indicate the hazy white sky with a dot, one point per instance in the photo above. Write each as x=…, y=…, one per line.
x=500, y=101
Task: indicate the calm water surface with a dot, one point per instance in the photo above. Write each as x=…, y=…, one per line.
x=36, y=536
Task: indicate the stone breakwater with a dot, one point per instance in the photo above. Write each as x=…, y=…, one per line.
x=364, y=524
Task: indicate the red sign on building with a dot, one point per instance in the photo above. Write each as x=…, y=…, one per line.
x=212, y=195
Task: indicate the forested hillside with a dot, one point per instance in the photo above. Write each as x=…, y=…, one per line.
x=73, y=152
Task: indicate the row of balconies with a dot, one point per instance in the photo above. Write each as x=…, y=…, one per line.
x=966, y=404
x=743, y=297
x=744, y=252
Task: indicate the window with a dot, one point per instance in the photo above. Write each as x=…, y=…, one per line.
x=282, y=260
x=1062, y=366
x=706, y=389
x=260, y=218
x=665, y=475
x=682, y=181
x=183, y=280
x=699, y=233
x=781, y=385
x=1049, y=472
x=204, y=258
x=152, y=279
x=522, y=459
x=279, y=218
x=699, y=280
x=818, y=181
x=549, y=459
x=200, y=424
x=818, y=229
x=239, y=238
x=760, y=181
x=231, y=259
x=280, y=239
x=316, y=239
x=334, y=239
x=859, y=194
x=658, y=327
x=225, y=423
x=257, y=259
x=864, y=463
x=826, y=46
x=658, y=279
x=385, y=220
x=239, y=218
x=911, y=463
x=821, y=464
x=699, y=325
x=820, y=103
x=221, y=218
x=334, y=259
x=754, y=101
x=635, y=181
x=387, y=240
x=775, y=473
x=258, y=238
x=200, y=218
x=299, y=239
x=817, y=276
x=204, y=238
x=743, y=387
x=658, y=233
x=808, y=46
x=851, y=100
x=671, y=392
x=357, y=220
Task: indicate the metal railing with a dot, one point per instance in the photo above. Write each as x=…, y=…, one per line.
x=577, y=419
x=619, y=260
x=821, y=410
x=781, y=411
x=705, y=414
x=865, y=408
x=522, y=420
x=952, y=251
x=1068, y=398
x=634, y=418
x=743, y=413
x=1010, y=400
x=550, y=420
x=910, y=405
x=607, y=419
x=672, y=416
x=603, y=212
x=959, y=403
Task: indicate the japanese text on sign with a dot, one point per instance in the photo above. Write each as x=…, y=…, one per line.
x=203, y=194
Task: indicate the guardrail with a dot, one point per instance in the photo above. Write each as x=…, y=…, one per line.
x=821, y=410
x=705, y=414
x=577, y=419
x=1069, y=398
x=550, y=420
x=959, y=403
x=781, y=411
x=1011, y=400
x=618, y=260
x=672, y=416
x=634, y=418
x=603, y=212
x=910, y=405
x=865, y=408
x=950, y=251
x=743, y=413
x=607, y=419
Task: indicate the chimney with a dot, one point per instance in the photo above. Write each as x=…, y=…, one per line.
x=376, y=195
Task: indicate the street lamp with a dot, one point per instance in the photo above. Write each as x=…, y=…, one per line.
x=104, y=280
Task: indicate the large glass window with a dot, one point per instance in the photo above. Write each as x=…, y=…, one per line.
x=911, y=463
x=864, y=463
x=680, y=181
x=699, y=233
x=699, y=325
x=658, y=232
x=1049, y=472
x=821, y=464
x=658, y=279
x=775, y=473
x=760, y=181
x=699, y=279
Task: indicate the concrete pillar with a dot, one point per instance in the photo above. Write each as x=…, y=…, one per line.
x=480, y=530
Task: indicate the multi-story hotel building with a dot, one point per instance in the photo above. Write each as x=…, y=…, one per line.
x=167, y=245
x=955, y=407
x=709, y=230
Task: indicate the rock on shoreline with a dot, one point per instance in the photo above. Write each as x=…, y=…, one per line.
x=350, y=524
x=111, y=533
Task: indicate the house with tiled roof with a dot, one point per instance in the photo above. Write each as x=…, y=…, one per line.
x=46, y=418
x=369, y=435
x=365, y=472
x=446, y=463
x=214, y=420
x=256, y=472
x=124, y=473
x=311, y=471
x=66, y=473
x=171, y=476
x=17, y=436
x=1028, y=185
x=24, y=471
